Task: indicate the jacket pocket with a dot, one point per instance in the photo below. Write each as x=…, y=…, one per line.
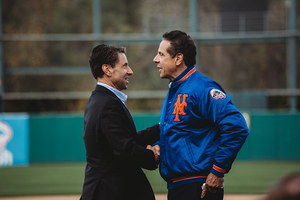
x=177, y=158
x=200, y=150
x=189, y=150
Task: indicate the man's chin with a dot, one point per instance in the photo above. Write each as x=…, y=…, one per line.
x=162, y=76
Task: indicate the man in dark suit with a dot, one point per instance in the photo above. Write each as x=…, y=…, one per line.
x=115, y=152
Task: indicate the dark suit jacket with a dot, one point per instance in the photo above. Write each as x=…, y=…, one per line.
x=115, y=152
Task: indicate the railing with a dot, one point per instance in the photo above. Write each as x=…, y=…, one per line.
x=134, y=94
x=238, y=22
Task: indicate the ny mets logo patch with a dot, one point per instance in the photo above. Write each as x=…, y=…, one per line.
x=218, y=94
x=179, y=107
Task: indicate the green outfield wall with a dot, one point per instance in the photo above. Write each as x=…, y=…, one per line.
x=58, y=137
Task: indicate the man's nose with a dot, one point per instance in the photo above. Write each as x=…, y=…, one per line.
x=155, y=59
x=129, y=71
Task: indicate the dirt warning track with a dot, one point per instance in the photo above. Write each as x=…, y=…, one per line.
x=158, y=197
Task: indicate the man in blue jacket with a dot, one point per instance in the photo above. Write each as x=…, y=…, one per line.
x=201, y=131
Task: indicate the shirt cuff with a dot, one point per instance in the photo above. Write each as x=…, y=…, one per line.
x=218, y=171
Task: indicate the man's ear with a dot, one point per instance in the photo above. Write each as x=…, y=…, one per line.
x=106, y=69
x=178, y=59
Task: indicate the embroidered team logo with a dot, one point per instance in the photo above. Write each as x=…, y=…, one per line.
x=218, y=94
x=179, y=107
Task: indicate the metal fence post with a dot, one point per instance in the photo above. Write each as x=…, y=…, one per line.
x=194, y=29
x=97, y=18
x=1, y=64
x=292, y=59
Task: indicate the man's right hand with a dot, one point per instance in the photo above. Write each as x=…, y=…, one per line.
x=156, y=151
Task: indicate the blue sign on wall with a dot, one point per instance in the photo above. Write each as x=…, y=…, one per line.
x=14, y=139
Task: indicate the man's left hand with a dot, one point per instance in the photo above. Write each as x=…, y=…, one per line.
x=213, y=184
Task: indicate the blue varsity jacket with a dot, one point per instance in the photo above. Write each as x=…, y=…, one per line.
x=201, y=131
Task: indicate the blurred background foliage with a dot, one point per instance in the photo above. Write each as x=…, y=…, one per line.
x=236, y=66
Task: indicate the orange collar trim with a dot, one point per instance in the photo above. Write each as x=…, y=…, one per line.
x=188, y=74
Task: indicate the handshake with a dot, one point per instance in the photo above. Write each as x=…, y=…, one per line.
x=156, y=151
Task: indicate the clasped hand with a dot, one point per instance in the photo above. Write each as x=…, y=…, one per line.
x=156, y=151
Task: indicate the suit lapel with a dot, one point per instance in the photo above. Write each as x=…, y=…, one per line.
x=129, y=116
x=100, y=88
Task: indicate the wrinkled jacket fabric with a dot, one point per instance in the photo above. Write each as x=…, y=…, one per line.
x=201, y=131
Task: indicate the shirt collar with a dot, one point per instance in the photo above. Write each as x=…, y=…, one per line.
x=123, y=97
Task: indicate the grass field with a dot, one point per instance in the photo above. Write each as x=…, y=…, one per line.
x=57, y=179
